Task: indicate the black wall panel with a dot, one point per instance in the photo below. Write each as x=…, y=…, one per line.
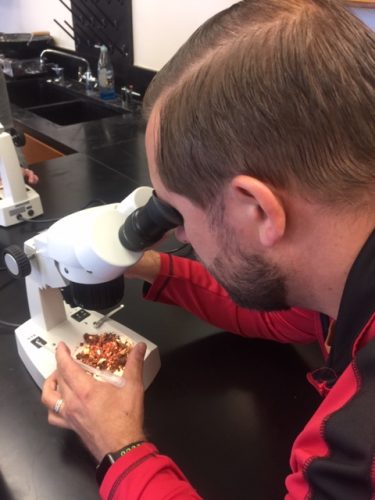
x=106, y=22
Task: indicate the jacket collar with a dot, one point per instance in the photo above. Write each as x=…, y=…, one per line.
x=356, y=307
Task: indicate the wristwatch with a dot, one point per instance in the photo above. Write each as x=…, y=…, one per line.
x=110, y=458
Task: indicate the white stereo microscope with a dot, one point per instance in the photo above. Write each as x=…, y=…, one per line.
x=76, y=267
x=18, y=202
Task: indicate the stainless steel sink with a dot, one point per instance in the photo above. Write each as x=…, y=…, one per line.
x=58, y=104
x=68, y=113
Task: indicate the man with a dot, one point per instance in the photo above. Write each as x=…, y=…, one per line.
x=261, y=134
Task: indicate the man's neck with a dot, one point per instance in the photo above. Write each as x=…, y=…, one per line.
x=328, y=247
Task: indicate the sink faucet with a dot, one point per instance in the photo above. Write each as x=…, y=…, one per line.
x=87, y=75
x=129, y=98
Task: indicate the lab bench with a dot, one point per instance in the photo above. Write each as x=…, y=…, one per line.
x=225, y=408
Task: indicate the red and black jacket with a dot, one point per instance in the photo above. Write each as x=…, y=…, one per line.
x=333, y=457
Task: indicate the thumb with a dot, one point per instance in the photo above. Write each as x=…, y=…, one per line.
x=68, y=369
x=134, y=364
x=62, y=347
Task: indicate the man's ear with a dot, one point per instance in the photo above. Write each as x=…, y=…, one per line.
x=258, y=207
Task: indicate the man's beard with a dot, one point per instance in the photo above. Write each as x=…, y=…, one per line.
x=250, y=280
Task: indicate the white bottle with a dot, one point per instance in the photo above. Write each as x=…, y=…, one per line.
x=105, y=75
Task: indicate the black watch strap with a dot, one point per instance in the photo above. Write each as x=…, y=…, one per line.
x=110, y=458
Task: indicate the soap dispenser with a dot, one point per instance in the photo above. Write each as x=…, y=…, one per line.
x=105, y=74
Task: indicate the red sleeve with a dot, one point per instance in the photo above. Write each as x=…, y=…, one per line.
x=145, y=474
x=188, y=284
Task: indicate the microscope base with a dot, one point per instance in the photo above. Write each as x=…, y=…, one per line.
x=36, y=346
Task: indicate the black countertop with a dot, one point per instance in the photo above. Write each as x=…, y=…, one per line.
x=225, y=408
x=117, y=141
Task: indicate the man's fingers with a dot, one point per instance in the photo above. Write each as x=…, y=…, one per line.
x=69, y=372
x=57, y=420
x=50, y=394
x=71, y=377
x=134, y=365
x=30, y=176
x=51, y=382
x=51, y=397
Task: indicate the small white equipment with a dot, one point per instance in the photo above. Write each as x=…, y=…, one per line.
x=18, y=202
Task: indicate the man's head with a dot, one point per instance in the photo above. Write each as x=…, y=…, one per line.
x=268, y=97
x=282, y=90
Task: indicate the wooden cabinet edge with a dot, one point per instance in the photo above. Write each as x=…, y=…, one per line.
x=36, y=151
x=367, y=4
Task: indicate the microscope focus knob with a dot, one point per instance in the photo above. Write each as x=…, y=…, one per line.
x=16, y=261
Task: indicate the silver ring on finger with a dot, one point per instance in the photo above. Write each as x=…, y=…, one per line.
x=58, y=405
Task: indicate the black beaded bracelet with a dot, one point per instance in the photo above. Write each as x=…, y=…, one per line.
x=130, y=447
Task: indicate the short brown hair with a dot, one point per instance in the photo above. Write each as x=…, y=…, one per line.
x=282, y=90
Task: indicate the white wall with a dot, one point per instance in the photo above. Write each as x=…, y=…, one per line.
x=25, y=16
x=159, y=26
x=367, y=16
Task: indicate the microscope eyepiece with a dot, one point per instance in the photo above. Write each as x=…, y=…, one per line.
x=148, y=224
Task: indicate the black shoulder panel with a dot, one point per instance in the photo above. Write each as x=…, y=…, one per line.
x=350, y=435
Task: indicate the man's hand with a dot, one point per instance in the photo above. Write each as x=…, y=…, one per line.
x=104, y=416
x=30, y=176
